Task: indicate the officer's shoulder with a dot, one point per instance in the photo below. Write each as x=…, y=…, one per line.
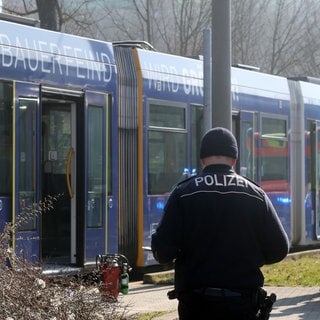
x=183, y=182
x=253, y=182
x=258, y=187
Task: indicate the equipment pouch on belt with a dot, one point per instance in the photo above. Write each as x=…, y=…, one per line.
x=172, y=294
x=265, y=303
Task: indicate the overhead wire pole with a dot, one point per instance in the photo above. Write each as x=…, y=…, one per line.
x=221, y=64
x=207, y=67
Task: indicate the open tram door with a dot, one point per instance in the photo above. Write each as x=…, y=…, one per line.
x=75, y=162
x=99, y=226
x=59, y=163
x=61, y=147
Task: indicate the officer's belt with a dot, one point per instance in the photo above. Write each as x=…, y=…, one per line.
x=217, y=292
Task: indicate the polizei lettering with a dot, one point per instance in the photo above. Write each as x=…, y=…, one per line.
x=221, y=180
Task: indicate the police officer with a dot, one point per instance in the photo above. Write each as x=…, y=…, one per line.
x=219, y=229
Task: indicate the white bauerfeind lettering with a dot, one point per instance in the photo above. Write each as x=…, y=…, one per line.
x=46, y=57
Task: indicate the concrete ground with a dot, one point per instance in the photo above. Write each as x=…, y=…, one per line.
x=293, y=303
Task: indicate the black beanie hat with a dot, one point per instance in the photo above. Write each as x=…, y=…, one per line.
x=219, y=142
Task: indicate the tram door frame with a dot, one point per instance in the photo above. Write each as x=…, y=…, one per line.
x=26, y=170
x=59, y=163
x=314, y=129
x=99, y=199
x=87, y=189
x=86, y=239
x=246, y=165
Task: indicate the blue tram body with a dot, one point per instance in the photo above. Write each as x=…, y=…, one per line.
x=178, y=83
x=109, y=129
x=57, y=141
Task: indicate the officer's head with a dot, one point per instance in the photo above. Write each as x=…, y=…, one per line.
x=220, y=145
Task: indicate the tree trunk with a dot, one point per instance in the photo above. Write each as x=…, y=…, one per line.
x=48, y=14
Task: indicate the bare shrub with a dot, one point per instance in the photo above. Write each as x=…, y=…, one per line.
x=26, y=293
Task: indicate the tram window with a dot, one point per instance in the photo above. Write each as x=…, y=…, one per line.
x=312, y=156
x=5, y=138
x=167, y=146
x=27, y=175
x=57, y=139
x=274, y=150
x=275, y=127
x=247, y=161
x=167, y=117
x=167, y=154
x=274, y=168
x=96, y=180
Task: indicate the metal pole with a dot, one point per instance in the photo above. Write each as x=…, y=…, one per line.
x=221, y=64
x=207, y=67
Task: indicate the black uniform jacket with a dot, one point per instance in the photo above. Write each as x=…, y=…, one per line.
x=219, y=228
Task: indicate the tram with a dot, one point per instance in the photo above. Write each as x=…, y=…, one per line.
x=108, y=129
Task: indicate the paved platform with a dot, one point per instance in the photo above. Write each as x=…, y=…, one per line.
x=293, y=303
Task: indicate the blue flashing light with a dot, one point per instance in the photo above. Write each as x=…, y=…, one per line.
x=160, y=204
x=284, y=200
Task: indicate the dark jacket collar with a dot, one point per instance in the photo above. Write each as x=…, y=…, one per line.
x=217, y=168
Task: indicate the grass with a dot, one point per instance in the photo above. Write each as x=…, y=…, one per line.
x=296, y=270
x=149, y=315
